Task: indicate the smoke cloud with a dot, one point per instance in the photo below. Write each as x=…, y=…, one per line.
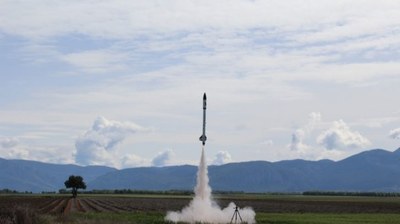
x=395, y=133
x=298, y=136
x=202, y=209
x=340, y=136
x=97, y=146
x=163, y=158
x=222, y=157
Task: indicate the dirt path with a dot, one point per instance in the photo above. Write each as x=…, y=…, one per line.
x=73, y=205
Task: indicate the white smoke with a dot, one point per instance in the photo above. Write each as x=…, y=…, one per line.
x=395, y=133
x=222, y=157
x=339, y=136
x=298, y=136
x=97, y=146
x=163, y=158
x=202, y=209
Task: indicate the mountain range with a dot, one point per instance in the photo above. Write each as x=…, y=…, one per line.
x=374, y=170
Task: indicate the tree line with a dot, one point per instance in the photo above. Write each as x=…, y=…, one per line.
x=349, y=193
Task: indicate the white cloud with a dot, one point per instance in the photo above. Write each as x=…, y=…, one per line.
x=10, y=148
x=298, y=136
x=339, y=136
x=222, y=157
x=128, y=18
x=163, y=158
x=297, y=141
x=96, y=61
x=132, y=160
x=6, y=142
x=395, y=133
x=313, y=119
x=259, y=55
x=16, y=148
x=376, y=122
x=98, y=146
x=268, y=142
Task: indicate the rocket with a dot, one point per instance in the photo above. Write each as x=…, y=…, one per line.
x=203, y=137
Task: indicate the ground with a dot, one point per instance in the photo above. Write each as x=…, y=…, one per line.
x=152, y=208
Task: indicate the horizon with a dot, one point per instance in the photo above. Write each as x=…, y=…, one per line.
x=120, y=84
x=186, y=164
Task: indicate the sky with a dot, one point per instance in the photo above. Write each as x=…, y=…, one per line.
x=120, y=83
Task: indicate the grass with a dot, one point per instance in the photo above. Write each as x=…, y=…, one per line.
x=267, y=218
x=261, y=217
x=310, y=218
x=308, y=198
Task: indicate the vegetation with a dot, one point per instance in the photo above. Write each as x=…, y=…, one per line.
x=143, y=192
x=9, y=191
x=19, y=214
x=312, y=218
x=75, y=182
x=151, y=208
x=363, y=194
x=267, y=218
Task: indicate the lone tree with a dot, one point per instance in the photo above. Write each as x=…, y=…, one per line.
x=75, y=182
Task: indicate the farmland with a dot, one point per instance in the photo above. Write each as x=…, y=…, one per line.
x=152, y=208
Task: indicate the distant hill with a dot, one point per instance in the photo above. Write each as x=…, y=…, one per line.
x=24, y=175
x=374, y=170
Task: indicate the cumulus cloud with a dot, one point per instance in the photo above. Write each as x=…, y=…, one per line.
x=300, y=134
x=163, y=158
x=7, y=142
x=10, y=148
x=222, y=157
x=17, y=148
x=97, y=146
x=297, y=141
x=132, y=160
x=340, y=136
x=395, y=133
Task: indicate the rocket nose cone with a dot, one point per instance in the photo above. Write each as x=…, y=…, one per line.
x=204, y=96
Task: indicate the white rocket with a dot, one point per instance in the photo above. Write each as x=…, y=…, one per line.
x=203, y=137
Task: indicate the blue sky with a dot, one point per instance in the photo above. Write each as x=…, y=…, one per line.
x=120, y=83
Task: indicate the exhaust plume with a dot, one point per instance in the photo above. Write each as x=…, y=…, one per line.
x=203, y=209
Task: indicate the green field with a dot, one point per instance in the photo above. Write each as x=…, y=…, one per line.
x=269, y=218
x=151, y=208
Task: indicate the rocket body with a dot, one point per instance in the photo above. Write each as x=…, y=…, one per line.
x=203, y=137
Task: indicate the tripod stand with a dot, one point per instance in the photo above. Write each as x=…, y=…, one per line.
x=235, y=215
